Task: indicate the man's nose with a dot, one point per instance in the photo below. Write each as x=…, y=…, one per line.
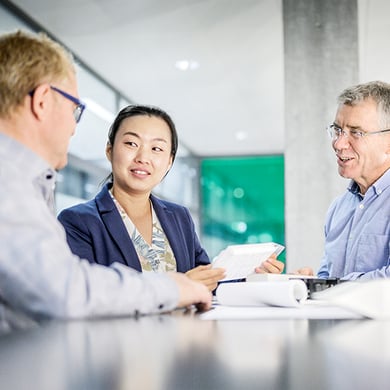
x=342, y=142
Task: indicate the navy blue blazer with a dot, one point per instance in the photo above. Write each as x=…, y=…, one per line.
x=95, y=231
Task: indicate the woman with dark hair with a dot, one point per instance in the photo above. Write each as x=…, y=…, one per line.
x=125, y=222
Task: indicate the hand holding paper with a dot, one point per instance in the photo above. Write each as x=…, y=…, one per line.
x=270, y=266
x=239, y=261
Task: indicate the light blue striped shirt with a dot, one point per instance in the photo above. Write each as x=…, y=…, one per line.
x=39, y=274
x=357, y=233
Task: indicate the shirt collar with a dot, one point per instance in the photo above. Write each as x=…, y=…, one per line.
x=379, y=186
x=30, y=164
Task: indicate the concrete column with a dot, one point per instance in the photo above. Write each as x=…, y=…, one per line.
x=321, y=59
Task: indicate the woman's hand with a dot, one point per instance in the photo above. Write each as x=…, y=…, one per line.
x=271, y=266
x=207, y=275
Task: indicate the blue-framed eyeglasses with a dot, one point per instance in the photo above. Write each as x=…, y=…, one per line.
x=80, y=106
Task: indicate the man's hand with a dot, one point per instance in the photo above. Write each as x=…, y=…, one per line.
x=271, y=266
x=191, y=292
x=207, y=275
x=304, y=271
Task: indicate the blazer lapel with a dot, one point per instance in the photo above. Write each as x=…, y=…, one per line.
x=116, y=228
x=172, y=231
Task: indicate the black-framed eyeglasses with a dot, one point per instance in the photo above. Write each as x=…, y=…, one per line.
x=335, y=132
x=80, y=106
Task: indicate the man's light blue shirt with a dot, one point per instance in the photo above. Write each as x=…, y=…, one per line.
x=39, y=275
x=357, y=233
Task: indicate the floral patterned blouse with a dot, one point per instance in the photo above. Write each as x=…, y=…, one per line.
x=156, y=257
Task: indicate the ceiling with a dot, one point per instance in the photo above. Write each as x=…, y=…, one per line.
x=229, y=100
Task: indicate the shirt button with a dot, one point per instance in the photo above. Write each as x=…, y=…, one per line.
x=361, y=206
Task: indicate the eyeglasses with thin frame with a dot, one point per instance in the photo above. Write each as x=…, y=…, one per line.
x=335, y=132
x=80, y=106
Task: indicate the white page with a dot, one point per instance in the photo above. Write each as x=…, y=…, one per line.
x=306, y=311
x=289, y=293
x=370, y=298
x=240, y=260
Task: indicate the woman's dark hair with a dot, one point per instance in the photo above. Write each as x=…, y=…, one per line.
x=135, y=110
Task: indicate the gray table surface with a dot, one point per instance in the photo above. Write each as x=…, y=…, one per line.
x=180, y=351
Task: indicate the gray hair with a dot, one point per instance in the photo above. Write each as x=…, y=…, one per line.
x=378, y=91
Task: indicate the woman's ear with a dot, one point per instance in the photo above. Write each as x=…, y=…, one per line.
x=109, y=151
x=170, y=164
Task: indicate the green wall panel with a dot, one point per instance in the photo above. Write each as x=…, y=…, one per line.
x=242, y=201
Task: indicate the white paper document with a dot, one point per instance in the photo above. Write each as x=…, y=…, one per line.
x=288, y=293
x=240, y=261
x=369, y=298
x=287, y=299
x=308, y=310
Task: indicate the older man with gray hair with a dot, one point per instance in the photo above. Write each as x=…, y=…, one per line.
x=357, y=228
